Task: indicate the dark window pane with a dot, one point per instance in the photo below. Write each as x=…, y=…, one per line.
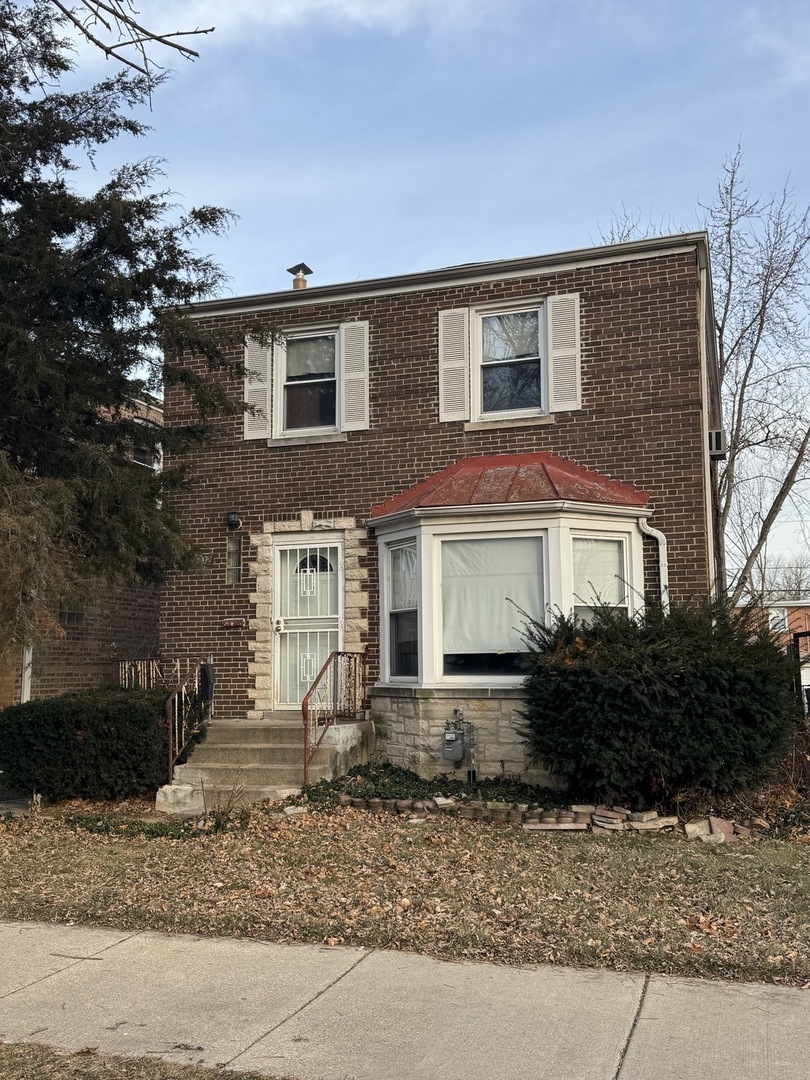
x=309, y=405
x=485, y=663
x=512, y=386
x=143, y=455
x=404, y=643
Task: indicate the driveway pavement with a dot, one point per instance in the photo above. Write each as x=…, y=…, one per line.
x=319, y=1013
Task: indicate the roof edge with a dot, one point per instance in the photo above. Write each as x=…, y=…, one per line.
x=634, y=249
x=482, y=510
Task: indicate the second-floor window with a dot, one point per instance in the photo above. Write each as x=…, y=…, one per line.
x=511, y=366
x=308, y=382
x=513, y=361
x=309, y=375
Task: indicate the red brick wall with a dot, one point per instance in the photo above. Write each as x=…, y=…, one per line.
x=10, y=680
x=121, y=624
x=641, y=423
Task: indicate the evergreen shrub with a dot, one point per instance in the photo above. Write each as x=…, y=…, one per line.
x=639, y=708
x=101, y=744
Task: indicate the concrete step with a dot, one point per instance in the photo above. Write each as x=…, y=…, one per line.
x=248, y=776
x=214, y=753
x=254, y=733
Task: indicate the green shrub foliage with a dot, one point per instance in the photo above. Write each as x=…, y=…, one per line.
x=640, y=708
x=103, y=744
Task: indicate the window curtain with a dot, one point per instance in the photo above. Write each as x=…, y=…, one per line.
x=477, y=578
x=599, y=571
x=312, y=357
x=403, y=578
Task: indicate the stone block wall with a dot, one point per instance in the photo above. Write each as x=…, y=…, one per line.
x=410, y=725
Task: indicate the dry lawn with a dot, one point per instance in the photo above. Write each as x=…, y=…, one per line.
x=447, y=888
x=27, y=1061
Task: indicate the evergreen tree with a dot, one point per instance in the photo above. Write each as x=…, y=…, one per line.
x=89, y=291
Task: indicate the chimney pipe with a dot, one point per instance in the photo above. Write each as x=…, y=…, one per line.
x=299, y=272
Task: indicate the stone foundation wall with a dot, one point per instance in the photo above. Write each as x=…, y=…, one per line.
x=410, y=730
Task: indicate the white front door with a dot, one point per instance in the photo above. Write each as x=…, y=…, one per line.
x=308, y=608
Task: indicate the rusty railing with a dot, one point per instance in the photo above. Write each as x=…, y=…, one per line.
x=338, y=693
x=186, y=713
x=148, y=673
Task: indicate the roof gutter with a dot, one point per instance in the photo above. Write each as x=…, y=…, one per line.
x=650, y=247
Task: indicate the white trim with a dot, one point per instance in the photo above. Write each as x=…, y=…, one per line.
x=500, y=511
x=25, y=674
x=706, y=318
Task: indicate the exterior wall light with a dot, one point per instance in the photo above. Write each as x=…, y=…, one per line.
x=233, y=520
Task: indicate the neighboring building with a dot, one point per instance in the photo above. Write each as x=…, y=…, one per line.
x=119, y=623
x=421, y=450
x=791, y=617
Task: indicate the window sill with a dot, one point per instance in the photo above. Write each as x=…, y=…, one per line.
x=448, y=691
x=530, y=421
x=309, y=440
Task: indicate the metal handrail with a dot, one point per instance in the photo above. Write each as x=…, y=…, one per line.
x=185, y=715
x=148, y=673
x=338, y=693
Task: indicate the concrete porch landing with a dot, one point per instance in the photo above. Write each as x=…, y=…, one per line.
x=248, y=761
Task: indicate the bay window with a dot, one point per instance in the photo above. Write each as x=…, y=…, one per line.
x=456, y=587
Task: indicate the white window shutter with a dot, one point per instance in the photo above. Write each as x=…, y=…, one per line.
x=565, y=387
x=257, y=390
x=354, y=376
x=454, y=364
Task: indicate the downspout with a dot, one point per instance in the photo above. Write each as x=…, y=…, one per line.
x=663, y=561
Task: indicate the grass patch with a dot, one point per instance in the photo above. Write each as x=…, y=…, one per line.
x=446, y=888
x=29, y=1061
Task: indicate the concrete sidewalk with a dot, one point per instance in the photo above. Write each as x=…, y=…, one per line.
x=339, y=1013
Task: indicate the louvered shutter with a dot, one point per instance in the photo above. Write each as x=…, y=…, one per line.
x=257, y=390
x=354, y=376
x=454, y=364
x=564, y=353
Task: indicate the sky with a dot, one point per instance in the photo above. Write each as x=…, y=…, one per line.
x=377, y=137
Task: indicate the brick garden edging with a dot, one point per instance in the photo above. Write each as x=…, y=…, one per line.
x=579, y=817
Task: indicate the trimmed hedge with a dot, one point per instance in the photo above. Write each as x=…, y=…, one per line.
x=638, y=709
x=102, y=744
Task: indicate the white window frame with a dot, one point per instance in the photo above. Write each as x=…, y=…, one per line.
x=265, y=381
x=279, y=381
x=557, y=526
x=477, y=364
x=778, y=619
x=398, y=545
x=460, y=353
x=577, y=598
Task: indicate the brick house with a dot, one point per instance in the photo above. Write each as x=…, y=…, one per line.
x=790, y=617
x=422, y=449
x=88, y=640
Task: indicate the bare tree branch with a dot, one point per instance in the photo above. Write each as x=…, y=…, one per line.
x=760, y=252
x=118, y=17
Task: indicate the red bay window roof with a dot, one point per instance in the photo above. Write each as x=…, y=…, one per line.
x=512, y=478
